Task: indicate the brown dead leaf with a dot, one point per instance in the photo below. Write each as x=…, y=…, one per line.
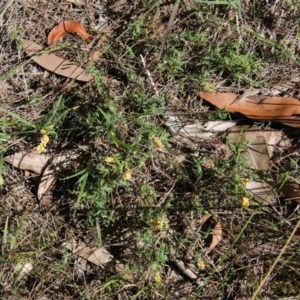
x=121, y=269
x=46, y=165
x=54, y=63
x=30, y=161
x=64, y=28
x=98, y=256
x=46, y=184
x=262, y=191
x=59, y=163
x=262, y=143
x=281, y=109
x=217, y=231
x=217, y=236
x=190, y=132
x=291, y=192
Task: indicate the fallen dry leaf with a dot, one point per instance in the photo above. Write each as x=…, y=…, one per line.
x=217, y=231
x=262, y=143
x=190, y=132
x=121, y=269
x=281, y=109
x=262, y=191
x=64, y=28
x=30, y=161
x=217, y=236
x=291, y=192
x=54, y=63
x=46, y=165
x=46, y=184
x=98, y=256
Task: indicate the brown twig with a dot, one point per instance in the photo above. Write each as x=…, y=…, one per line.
x=275, y=262
x=169, y=26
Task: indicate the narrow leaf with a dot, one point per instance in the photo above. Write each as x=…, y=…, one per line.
x=281, y=109
x=217, y=236
x=30, y=161
x=54, y=63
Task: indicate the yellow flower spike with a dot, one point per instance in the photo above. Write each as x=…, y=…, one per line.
x=43, y=143
x=158, y=143
x=110, y=160
x=245, y=202
x=127, y=175
x=245, y=181
x=157, y=278
x=201, y=264
x=43, y=131
x=157, y=224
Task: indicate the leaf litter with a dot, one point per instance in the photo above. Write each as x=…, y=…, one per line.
x=216, y=232
x=280, y=109
x=188, y=130
x=54, y=63
x=46, y=165
x=97, y=256
x=261, y=144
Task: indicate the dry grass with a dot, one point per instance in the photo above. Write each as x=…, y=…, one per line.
x=255, y=44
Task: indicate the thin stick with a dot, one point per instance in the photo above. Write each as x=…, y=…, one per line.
x=169, y=26
x=275, y=262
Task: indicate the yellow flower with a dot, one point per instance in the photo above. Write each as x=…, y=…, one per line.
x=43, y=143
x=127, y=175
x=44, y=139
x=245, y=181
x=110, y=160
x=158, y=143
x=43, y=132
x=245, y=202
x=157, y=278
x=201, y=264
x=157, y=224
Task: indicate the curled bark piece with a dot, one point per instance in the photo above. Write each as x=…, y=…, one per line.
x=64, y=28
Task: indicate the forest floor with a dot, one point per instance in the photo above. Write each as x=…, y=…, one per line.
x=117, y=205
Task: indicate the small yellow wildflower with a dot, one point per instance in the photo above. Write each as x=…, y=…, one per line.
x=200, y=263
x=127, y=175
x=245, y=202
x=43, y=131
x=43, y=143
x=157, y=224
x=157, y=278
x=245, y=181
x=110, y=160
x=158, y=143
